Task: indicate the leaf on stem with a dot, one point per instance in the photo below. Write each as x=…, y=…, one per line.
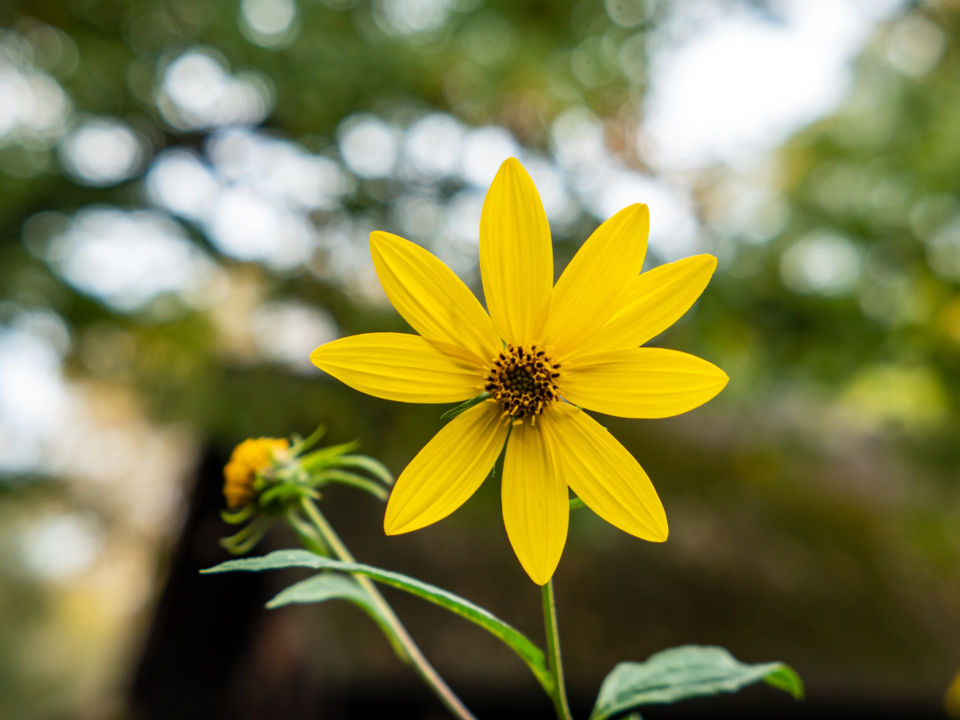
x=334, y=586
x=685, y=672
x=528, y=652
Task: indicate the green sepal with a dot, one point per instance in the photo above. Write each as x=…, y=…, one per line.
x=325, y=456
x=685, y=672
x=520, y=644
x=301, y=444
x=453, y=412
x=362, y=462
x=245, y=540
x=285, y=493
x=240, y=536
x=238, y=517
x=351, y=479
x=576, y=503
x=334, y=586
x=307, y=533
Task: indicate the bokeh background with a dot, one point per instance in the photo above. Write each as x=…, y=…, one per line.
x=186, y=191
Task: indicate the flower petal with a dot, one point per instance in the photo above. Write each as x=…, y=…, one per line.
x=447, y=471
x=400, y=367
x=654, y=301
x=589, y=290
x=641, y=382
x=536, y=504
x=604, y=475
x=433, y=299
x=516, y=255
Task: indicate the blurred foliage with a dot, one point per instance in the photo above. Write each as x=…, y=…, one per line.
x=341, y=63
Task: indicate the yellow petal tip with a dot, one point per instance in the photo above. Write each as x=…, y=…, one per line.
x=390, y=527
x=640, y=209
x=708, y=260
x=378, y=238
x=722, y=381
x=316, y=355
x=657, y=534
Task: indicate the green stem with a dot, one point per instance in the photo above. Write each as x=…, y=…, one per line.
x=559, y=695
x=420, y=663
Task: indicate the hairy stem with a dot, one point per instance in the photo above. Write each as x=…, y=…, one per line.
x=414, y=656
x=559, y=695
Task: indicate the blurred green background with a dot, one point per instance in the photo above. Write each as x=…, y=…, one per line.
x=186, y=190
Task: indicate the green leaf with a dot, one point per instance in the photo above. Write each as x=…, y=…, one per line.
x=352, y=479
x=786, y=679
x=528, y=652
x=374, y=467
x=326, y=586
x=453, y=412
x=685, y=672
x=334, y=586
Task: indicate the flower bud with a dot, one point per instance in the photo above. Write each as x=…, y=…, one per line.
x=248, y=458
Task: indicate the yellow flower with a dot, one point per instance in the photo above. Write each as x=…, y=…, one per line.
x=576, y=344
x=240, y=473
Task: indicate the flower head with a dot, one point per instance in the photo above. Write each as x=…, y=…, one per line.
x=270, y=478
x=248, y=458
x=541, y=354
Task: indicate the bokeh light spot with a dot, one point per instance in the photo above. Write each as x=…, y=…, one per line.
x=127, y=257
x=368, y=145
x=821, y=263
x=269, y=23
x=102, y=152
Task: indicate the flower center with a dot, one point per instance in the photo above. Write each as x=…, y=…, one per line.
x=521, y=379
